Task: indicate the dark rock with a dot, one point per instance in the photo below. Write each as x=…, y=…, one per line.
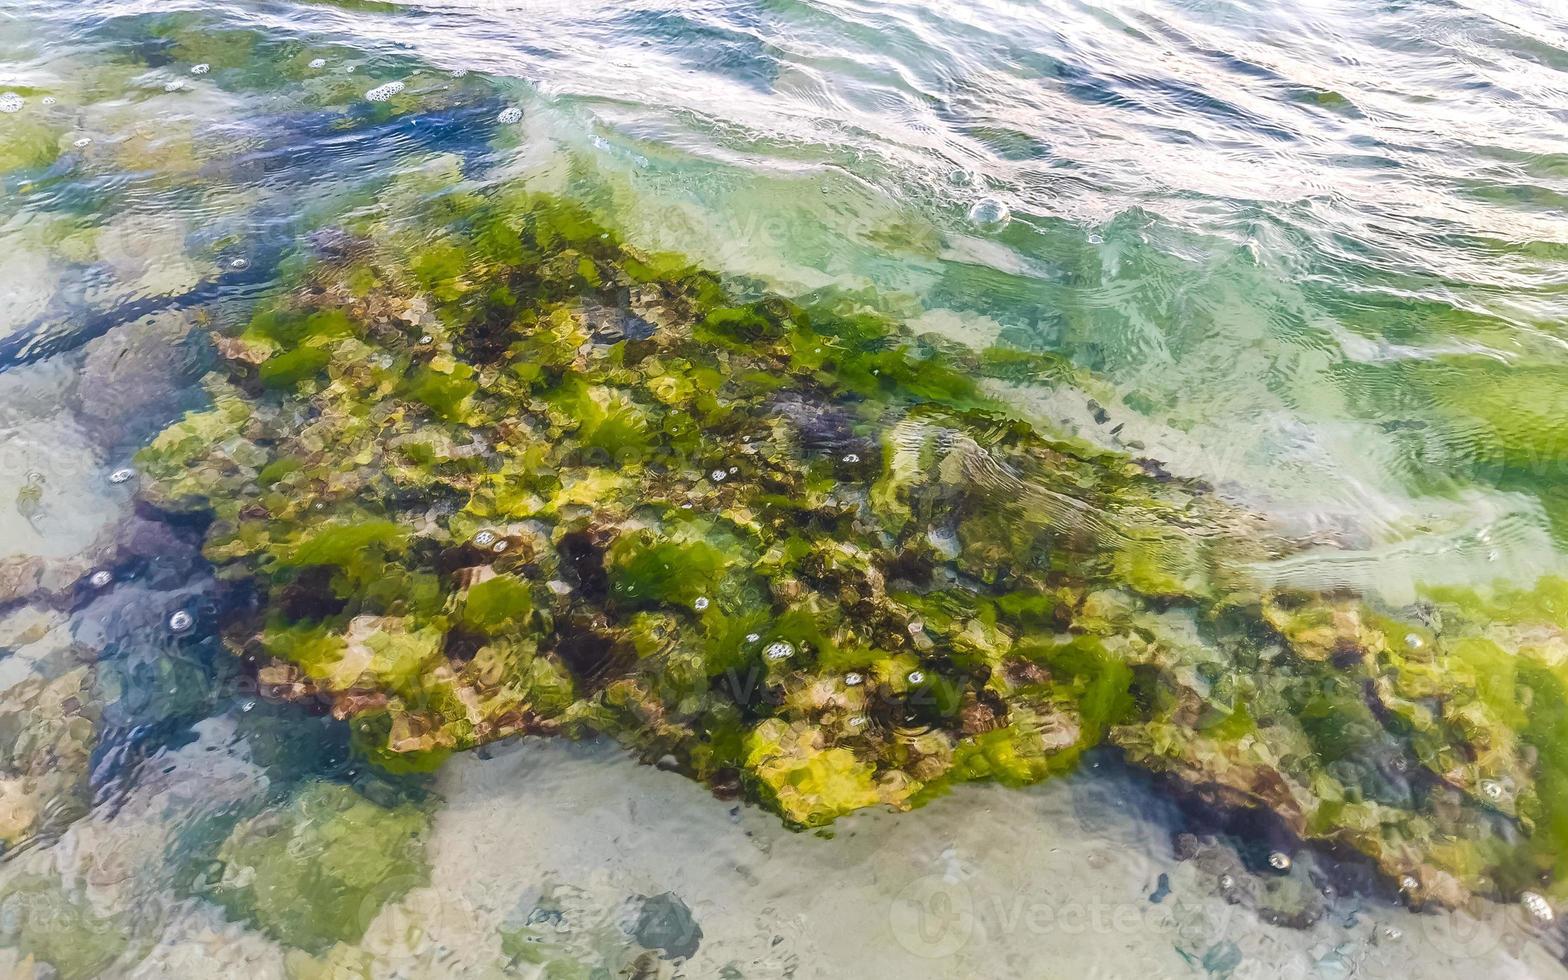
x=665, y=923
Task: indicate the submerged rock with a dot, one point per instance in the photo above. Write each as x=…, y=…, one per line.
x=316, y=872
x=468, y=510
x=136, y=377
x=48, y=724
x=43, y=918
x=665, y=923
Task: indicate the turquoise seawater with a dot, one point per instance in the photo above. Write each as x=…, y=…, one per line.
x=1312, y=255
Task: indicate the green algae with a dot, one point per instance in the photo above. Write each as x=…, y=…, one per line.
x=1461, y=419
x=29, y=143
x=317, y=871
x=341, y=962
x=42, y=919
x=530, y=480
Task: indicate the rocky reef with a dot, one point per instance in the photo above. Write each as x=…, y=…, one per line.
x=496, y=472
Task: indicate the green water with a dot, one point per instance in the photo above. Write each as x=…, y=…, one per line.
x=1153, y=408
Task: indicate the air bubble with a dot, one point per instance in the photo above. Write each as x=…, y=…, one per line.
x=1096, y=239
x=753, y=637
x=857, y=721
x=318, y=63
x=82, y=142
x=100, y=578
x=201, y=69
x=459, y=72
x=426, y=339
x=10, y=102
x=1492, y=789
x=239, y=264
x=49, y=100
x=780, y=650
x=510, y=115
x=700, y=604
x=851, y=457
x=1391, y=933
x=484, y=539
x=990, y=214
x=853, y=679
x=248, y=706
x=499, y=546
x=181, y=621
x=916, y=677
x=1408, y=883
x=1414, y=641
x=122, y=475
x=1279, y=861
x=175, y=85
x=382, y=93
x=718, y=476
x=1227, y=882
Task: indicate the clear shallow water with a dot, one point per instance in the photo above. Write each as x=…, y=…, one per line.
x=1313, y=256
x=1292, y=244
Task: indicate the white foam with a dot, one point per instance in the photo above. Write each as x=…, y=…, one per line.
x=382, y=93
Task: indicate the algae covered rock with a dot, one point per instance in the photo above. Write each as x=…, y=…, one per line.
x=49, y=721
x=316, y=872
x=43, y=919
x=501, y=473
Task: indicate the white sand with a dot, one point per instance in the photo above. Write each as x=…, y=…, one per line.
x=1048, y=882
